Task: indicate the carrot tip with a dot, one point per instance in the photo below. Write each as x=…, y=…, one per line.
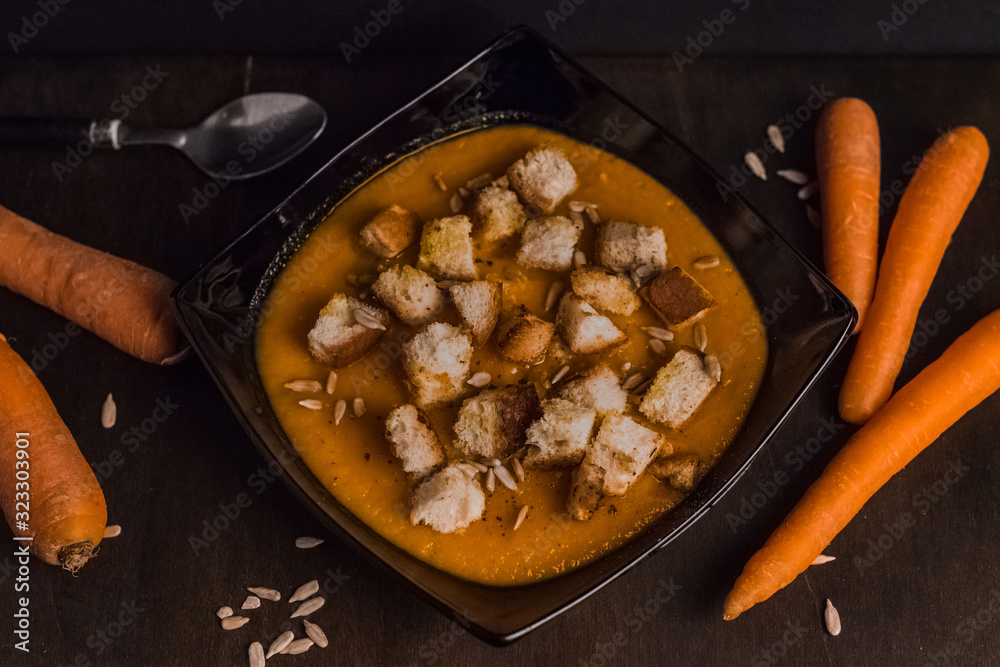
x=76, y=555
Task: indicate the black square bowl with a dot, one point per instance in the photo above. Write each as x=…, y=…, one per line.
x=520, y=78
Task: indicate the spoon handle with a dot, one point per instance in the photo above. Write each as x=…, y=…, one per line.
x=56, y=131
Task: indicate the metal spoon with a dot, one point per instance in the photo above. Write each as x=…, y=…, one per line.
x=249, y=136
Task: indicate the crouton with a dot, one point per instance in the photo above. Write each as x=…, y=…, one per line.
x=585, y=491
x=548, y=243
x=496, y=212
x=446, y=248
x=413, y=442
x=681, y=471
x=624, y=447
x=559, y=439
x=390, y=231
x=584, y=329
x=679, y=388
x=436, y=362
x=448, y=500
x=597, y=388
x=493, y=423
x=478, y=305
x=337, y=338
x=543, y=178
x=677, y=298
x=626, y=246
x=522, y=337
x=605, y=290
x=412, y=295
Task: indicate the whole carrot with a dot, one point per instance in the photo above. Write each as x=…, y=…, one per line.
x=966, y=374
x=122, y=302
x=928, y=214
x=847, y=166
x=47, y=490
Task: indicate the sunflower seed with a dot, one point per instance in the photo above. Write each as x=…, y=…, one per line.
x=491, y=481
x=832, y=618
x=555, y=289
x=518, y=469
x=297, y=646
x=113, y=531
x=480, y=379
x=359, y=407
x=109, y=412
x=523, y=512
x=304, y=385
x=316, y=633
x=479, y=181
x=814, y=217
x=438, y=181
x=252, y=602
x=331, y=382
x=312, y=404
x=641, y=389
x=633, y=381
x=469, y=470
x=591, y=212
x=628, y=365
x=279, y=644
x=307, y=542
x=505, y=478
x=777, y=140
x=756, y=166
x=305, y=591
x=794, y=176
x=256, y=655
x=643, y=271
x=339, y=410
x=577, y=219
x=234, y=622
x=224, y=612
x=560, y=374
x=464, y=192
x=578, y=206
x=265, y=593
x=712, y=367
x=579, y=259
x=456, y=202
x=700, y=335
x=706, y=262
x=823, y=558
x=478, y=466
x=367, y=279
x=807, y=191
x=659, y=332
x=658, y=346
x=308, y=607
x=493, y=463
x=368, y=320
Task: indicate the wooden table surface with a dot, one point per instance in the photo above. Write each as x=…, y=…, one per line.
x=916, y=579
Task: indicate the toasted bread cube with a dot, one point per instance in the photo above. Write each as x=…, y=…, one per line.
x=626, y=246
x=679, y=388
x=478, y=304
x=437, y=362
x=543, y=178
x=677, y=298
x=337, y=338
x=605, y=290
x=493, y=423
x=597, y=388
x=559, y=439
x=549, y=243
x=623, y=447
x=412, y=295
x=584, y=329
x=681, y=471
x=448, y=500
x=446, y=248
x=413, y=441
x=496, y=212
x=390, y=231
x=585, y=491
x=522, y=337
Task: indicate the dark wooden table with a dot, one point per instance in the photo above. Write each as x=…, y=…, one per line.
x=916, y=578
